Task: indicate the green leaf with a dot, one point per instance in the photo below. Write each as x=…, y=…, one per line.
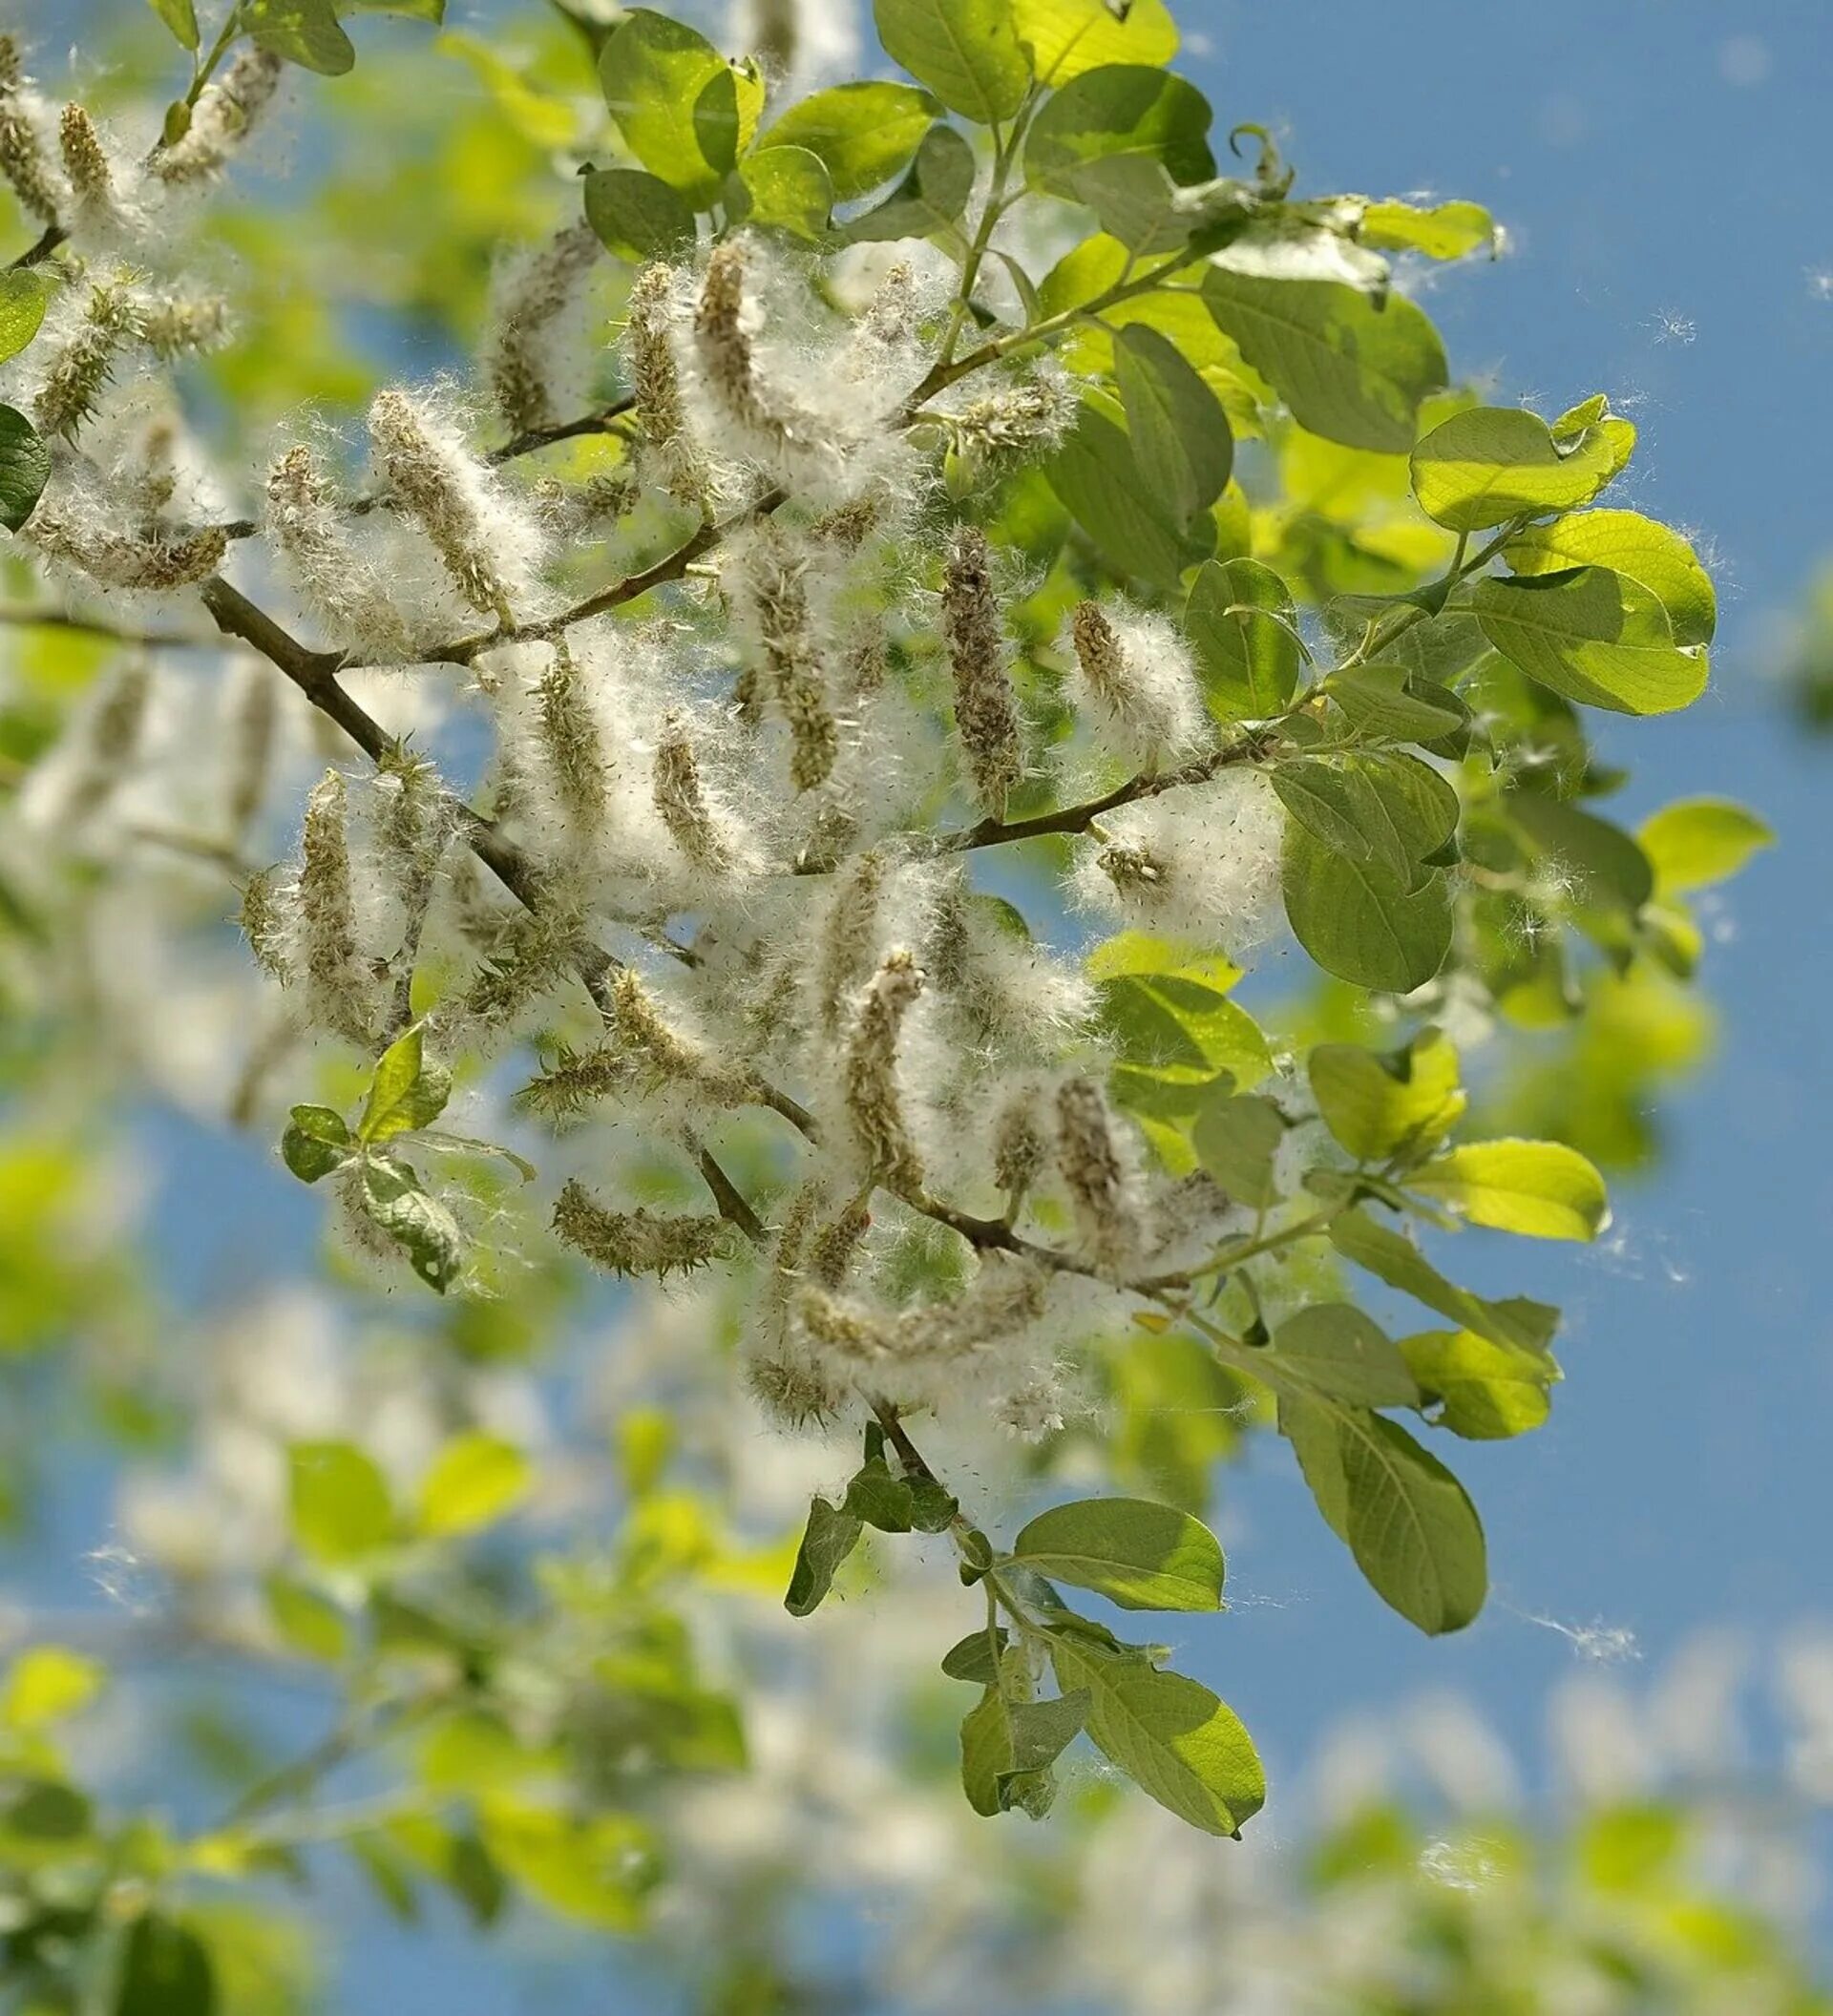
x=675, y=100
x=24, y=297
x=475, y=1479
x=1333, y=1349
x=47, y=1683
x=831, y=1535
x=1697, y=842
x=1649, y=553
x=1540, y=1188
x=1407, y=1520
x=1359, y=920
x=307, y=1622
x=1134, y=200
x=316, y=1143
x=1242, y=624
x=637, y=214
x=1236, y=1137
x=972, y=1658
x=303, y=32
x=341, y=1509
x=1377, y=700
x=405, y=1093
x=1592, y=636
x=165, y=1971
x=1386, y=809
x=931, y=200
x=1140, y=1555
x=434, y=11
x=1491, y=463
x=25, y=468
x=784, y=189
x=1350, y=370
x=180, y=16
x=1009, y=1743
x=1099, y=481
x=1177, y=1742
x=862, y=133
x=394, y=1198
x=1068, y=38
x=966, y=50
x=1446, y=231
x=1380, y=1106
x=1179, y=431
x=1488, y=1391
x=877, y=1498
x=1124, y=110
x=1393, y=1258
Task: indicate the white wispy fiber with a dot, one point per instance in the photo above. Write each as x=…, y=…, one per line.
x=1131, y=681
x=1200, y=862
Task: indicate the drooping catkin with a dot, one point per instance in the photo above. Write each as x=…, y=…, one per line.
x=307, y=528
x=174, y=325
x=577, y=1079
x=413, y=824
x=22, y=154
x=655, y=384
x=1095, y=1173
x=338, y=989
x=1022, y=416
x=986, y=713
x=848, y=937
x=772, y=428
x=681, y=798
x=874, y=1097
x=1020, y=1145
x=220, y=120
x=444, y=489
x=265, y=923
x=109, y=741
x=572, y=748
x=79, y=371
x=252, y=706
x=835, y=1245
x=160, y=562
x=534, y=305
x=1005, y=1298
x=669, y=1058
x=773, y=578
x=637, y=1241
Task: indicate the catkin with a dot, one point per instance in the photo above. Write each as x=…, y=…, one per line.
x=637, y=1241
x=22, y=155
x=874, y=1102
x=1095, y=1175
x=220, y=120
x=337, y=984
x=533, y=301
x=986, y=714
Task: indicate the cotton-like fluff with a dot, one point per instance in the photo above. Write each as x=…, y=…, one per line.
x=1098, y=1164
x=986, y=708
x=773, y=577
x=715, y=851
x=1201, y=862
x=101, y=214
x=1134, y=684
x=91, y=331
x=793, y=414
x=1016, y=1000
x=225, y=113
x=327, y=559
x=24, y=155
x=487, y=540
x=534, y=356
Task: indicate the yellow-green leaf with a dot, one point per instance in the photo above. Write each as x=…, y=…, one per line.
x=1540, y=1188
x=1700, y=841
x=475, y=1481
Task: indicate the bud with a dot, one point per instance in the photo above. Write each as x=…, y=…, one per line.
x=875, y=1104
x=986, y=717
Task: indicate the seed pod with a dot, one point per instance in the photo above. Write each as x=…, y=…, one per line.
x=79, y=372
x=91, y=183
x=987, y=715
